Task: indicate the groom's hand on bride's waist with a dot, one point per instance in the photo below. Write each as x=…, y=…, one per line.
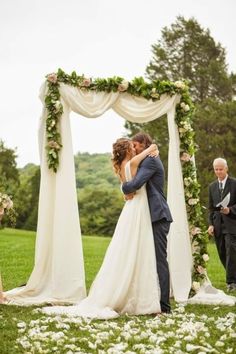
x=129, y=196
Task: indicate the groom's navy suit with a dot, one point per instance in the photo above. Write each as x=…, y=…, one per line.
x=151, y=172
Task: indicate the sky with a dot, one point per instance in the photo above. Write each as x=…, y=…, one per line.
x=97, y=38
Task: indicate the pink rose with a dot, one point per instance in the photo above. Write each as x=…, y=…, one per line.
x=185, y=157
x=86, y=82
x=201, y=270
x=53, y=145
x=195, y=231
x=52, y=78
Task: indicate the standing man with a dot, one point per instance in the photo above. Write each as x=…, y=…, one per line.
x=151, y=171
x=222, y=220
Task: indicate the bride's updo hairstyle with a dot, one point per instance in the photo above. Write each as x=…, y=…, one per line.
x=120, y=149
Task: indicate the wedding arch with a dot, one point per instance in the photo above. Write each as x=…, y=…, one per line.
x=58, y=274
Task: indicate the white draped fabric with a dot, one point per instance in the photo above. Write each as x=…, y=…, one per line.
x=58, y=274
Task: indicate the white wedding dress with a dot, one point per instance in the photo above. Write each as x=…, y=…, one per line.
x=127, y=281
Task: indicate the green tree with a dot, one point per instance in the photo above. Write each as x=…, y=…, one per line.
x=99, y=209
x=9, y=175
x=215, y=129
x=27, y=197
x=187, y=50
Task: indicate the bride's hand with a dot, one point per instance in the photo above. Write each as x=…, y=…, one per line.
x=154, y=151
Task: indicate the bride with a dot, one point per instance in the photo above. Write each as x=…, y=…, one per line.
x=127, y=280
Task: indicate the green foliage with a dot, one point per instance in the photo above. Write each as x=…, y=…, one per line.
x=99, y=196
x=100, y=208
x=9, y=175
x=9, y=183
x=214, y=124
x=186, y=50
x=27, y=196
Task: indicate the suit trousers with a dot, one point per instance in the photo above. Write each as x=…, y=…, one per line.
x=160, y=232
x=226, y=247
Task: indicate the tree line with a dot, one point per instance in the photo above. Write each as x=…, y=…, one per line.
x=187, y=51
x=98, y=190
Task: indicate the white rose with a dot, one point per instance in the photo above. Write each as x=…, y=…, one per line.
x=196, y=286
x=57, y=105
x=10, y=204
x=182, y=130
x=205, y=257
x=179, y=84
x=123, y=86
x=186, y=108
x=192, y=201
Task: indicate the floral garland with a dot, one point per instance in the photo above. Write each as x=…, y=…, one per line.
x=151, y=91
x=6, y=209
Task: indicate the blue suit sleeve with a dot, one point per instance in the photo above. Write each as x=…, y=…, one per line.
x=145, y=172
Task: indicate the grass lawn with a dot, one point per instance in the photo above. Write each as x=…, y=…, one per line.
x=195, y=328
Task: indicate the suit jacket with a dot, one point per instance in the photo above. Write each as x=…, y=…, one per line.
x=151, y=171
x=215, y=217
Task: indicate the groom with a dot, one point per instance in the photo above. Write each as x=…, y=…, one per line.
x=151, y=171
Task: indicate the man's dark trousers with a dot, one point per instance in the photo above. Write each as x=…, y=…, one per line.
x=160, y=232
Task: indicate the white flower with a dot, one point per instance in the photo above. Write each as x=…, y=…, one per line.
x=57, y=105
x=191, y=347
x=154, y=94
x=195, y=247
x=205, y=257
x=180, y=84
x=21, y=325
x=123, y=86
x=193, y=201
x=196, y=286
x=187, y=181
x=182, y=130
x=219, y=344
x=186, y=108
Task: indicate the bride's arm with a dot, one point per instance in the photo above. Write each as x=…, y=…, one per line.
x=152, y=150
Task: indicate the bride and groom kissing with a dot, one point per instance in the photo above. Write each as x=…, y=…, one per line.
x=134, y=276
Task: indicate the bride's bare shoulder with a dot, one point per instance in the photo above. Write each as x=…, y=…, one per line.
x=122, y=171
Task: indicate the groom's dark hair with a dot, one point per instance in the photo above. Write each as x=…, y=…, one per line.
x=143, y=138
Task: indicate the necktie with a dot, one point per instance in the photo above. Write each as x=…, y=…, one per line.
x=221, y=189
